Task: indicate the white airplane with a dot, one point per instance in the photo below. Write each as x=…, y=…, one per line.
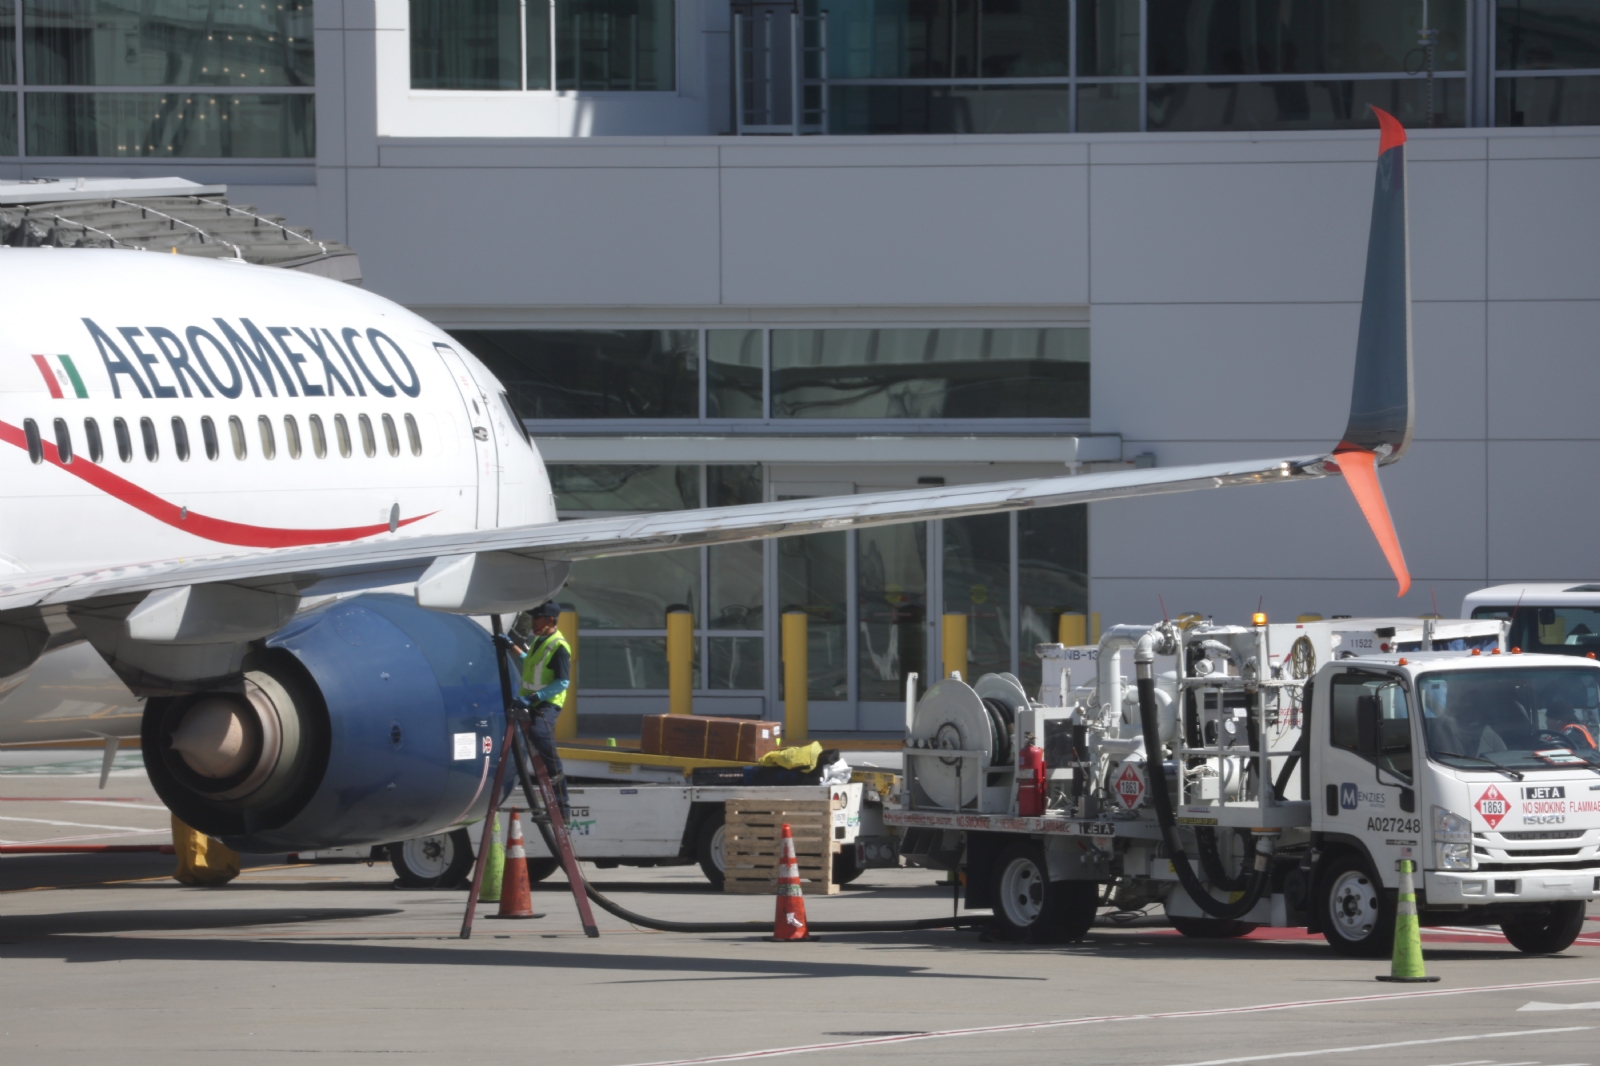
x=190, y=448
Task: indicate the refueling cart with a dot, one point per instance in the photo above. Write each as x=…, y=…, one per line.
x=1251, y=777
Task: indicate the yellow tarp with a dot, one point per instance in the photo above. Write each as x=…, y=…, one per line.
x=800, y=758
x=202, y=860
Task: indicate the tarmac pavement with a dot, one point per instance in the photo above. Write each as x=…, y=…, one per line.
x=105, y=958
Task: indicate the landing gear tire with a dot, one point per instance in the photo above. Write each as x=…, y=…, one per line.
x=1030, y=907
x=1357, y=914
x=1548, y=930
x=1209, y=928
x=709, y=845
x=442, y=860
x=844, y=868
x=539, y=869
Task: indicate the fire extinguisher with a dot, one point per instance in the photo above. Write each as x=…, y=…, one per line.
x=1030, y=778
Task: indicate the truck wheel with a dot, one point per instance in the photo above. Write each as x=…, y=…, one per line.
x=539, y=869
x=708, y=847
x=438, y=861
x=1357, y=915
x=1029, y=906
x=1209, y=928
x=844, y=867
x=1548, y=929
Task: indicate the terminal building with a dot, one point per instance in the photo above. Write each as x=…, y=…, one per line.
x=722, y=251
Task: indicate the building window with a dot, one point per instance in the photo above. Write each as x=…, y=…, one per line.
x=593, y=373
x=91, y=67
x=1058, y=66
x=517, y=45
x=930, y=373
x=781, y=375
x=1547, y=63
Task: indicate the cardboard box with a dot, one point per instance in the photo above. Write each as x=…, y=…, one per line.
x=693, y=736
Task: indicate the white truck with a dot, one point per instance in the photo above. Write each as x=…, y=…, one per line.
x=1251, y=778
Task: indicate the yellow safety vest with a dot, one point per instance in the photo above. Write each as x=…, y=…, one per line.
x=537, y=671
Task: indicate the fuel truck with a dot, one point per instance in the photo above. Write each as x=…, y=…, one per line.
x=1264, y=775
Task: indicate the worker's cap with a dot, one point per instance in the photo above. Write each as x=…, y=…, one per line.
x=546, y=610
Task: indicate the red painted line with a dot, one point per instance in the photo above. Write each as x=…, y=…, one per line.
x=91, y=849
x=1103, y=1019
x=214, y=529
x=49, y=378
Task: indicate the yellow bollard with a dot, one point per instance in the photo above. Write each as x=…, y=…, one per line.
x=567, y=720
x=680, y=662
x=202, y=860
x=1072, y=630
x=1094, y=627
x=795, y=677
x=955, y=646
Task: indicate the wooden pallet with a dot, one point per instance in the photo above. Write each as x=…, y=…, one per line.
x=753, y=838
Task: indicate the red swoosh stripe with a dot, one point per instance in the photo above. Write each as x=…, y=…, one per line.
x=49, y=378
x=217, y=529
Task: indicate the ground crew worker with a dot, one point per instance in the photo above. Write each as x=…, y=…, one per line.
x=546, y=670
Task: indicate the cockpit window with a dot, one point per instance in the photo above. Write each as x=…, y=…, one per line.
x=516, y=419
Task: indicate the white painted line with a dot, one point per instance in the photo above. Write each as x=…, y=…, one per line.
x=1063, y=1023
x=1539, y=1005
x=1385, y=1047
x=1472, y=1062
x=117, y=803
x=92, y=836
x=74, y=825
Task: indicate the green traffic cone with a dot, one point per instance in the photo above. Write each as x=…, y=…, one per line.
x=495, y=868
x=1407, y=964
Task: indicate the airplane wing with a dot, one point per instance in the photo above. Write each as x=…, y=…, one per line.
x=501, y=570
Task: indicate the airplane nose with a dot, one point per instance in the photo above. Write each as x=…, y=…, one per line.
x=214, y=739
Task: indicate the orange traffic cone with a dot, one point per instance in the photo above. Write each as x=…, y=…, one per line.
x=516, y=899
x=790, y=921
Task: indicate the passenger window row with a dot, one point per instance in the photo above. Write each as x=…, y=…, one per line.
x=237, y=437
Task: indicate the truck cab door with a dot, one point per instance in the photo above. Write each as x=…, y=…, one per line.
x=1364, y=784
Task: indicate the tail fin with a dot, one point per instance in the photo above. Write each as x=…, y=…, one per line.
x=1382, y=398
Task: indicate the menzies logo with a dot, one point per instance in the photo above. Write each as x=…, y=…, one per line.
x=156, y=362
x=1348, y=796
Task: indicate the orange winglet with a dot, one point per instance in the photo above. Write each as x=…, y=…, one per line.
x=1360, y=470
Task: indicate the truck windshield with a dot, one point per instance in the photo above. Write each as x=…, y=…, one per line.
x=1527, y=719
x=1549, y=630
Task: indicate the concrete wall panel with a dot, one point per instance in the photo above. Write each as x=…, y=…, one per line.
x=1544, y=369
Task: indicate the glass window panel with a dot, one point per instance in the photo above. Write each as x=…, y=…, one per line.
x=930, y=373
x=236, y=434
x=863, y=109
x=1052, y=579
x=208, y=436
x=977, y=583
x=1108, y=108
x=730, y=486
x=64, y=440
x=1315, y=105
x=1108, y=38
x=736, y=663
x=615, y=45
x=291, y=436
x=119, y=427
x=1573, y=101
x=152, y=445
x=1547, y=35
x=341, y=429
x=538, y=50
x=8, y=123
x=811, y=576
x=269, y=445
x=630, y=373
x=599, y=487
x=466, y=44
x=319, y=439
x=180, y=439
x=172, y=125
x=91, y=433
x=8, y=45
x=892, y=607
x=1287, y=37
x=947, y=38
x=167, y=42
x=633, y=591
x=735, y=586
x=369, y=443
x=624, y=663
x=733, y=373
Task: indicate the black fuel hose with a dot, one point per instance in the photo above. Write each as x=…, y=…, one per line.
x=753, y=927
x=1205, y=839
x=1149, y=721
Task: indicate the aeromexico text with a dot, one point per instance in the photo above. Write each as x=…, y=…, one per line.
x=203, y=361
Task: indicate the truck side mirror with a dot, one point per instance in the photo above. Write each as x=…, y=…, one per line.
x=1369, y=741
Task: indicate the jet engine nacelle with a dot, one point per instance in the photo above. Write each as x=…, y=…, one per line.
x=360, y=722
